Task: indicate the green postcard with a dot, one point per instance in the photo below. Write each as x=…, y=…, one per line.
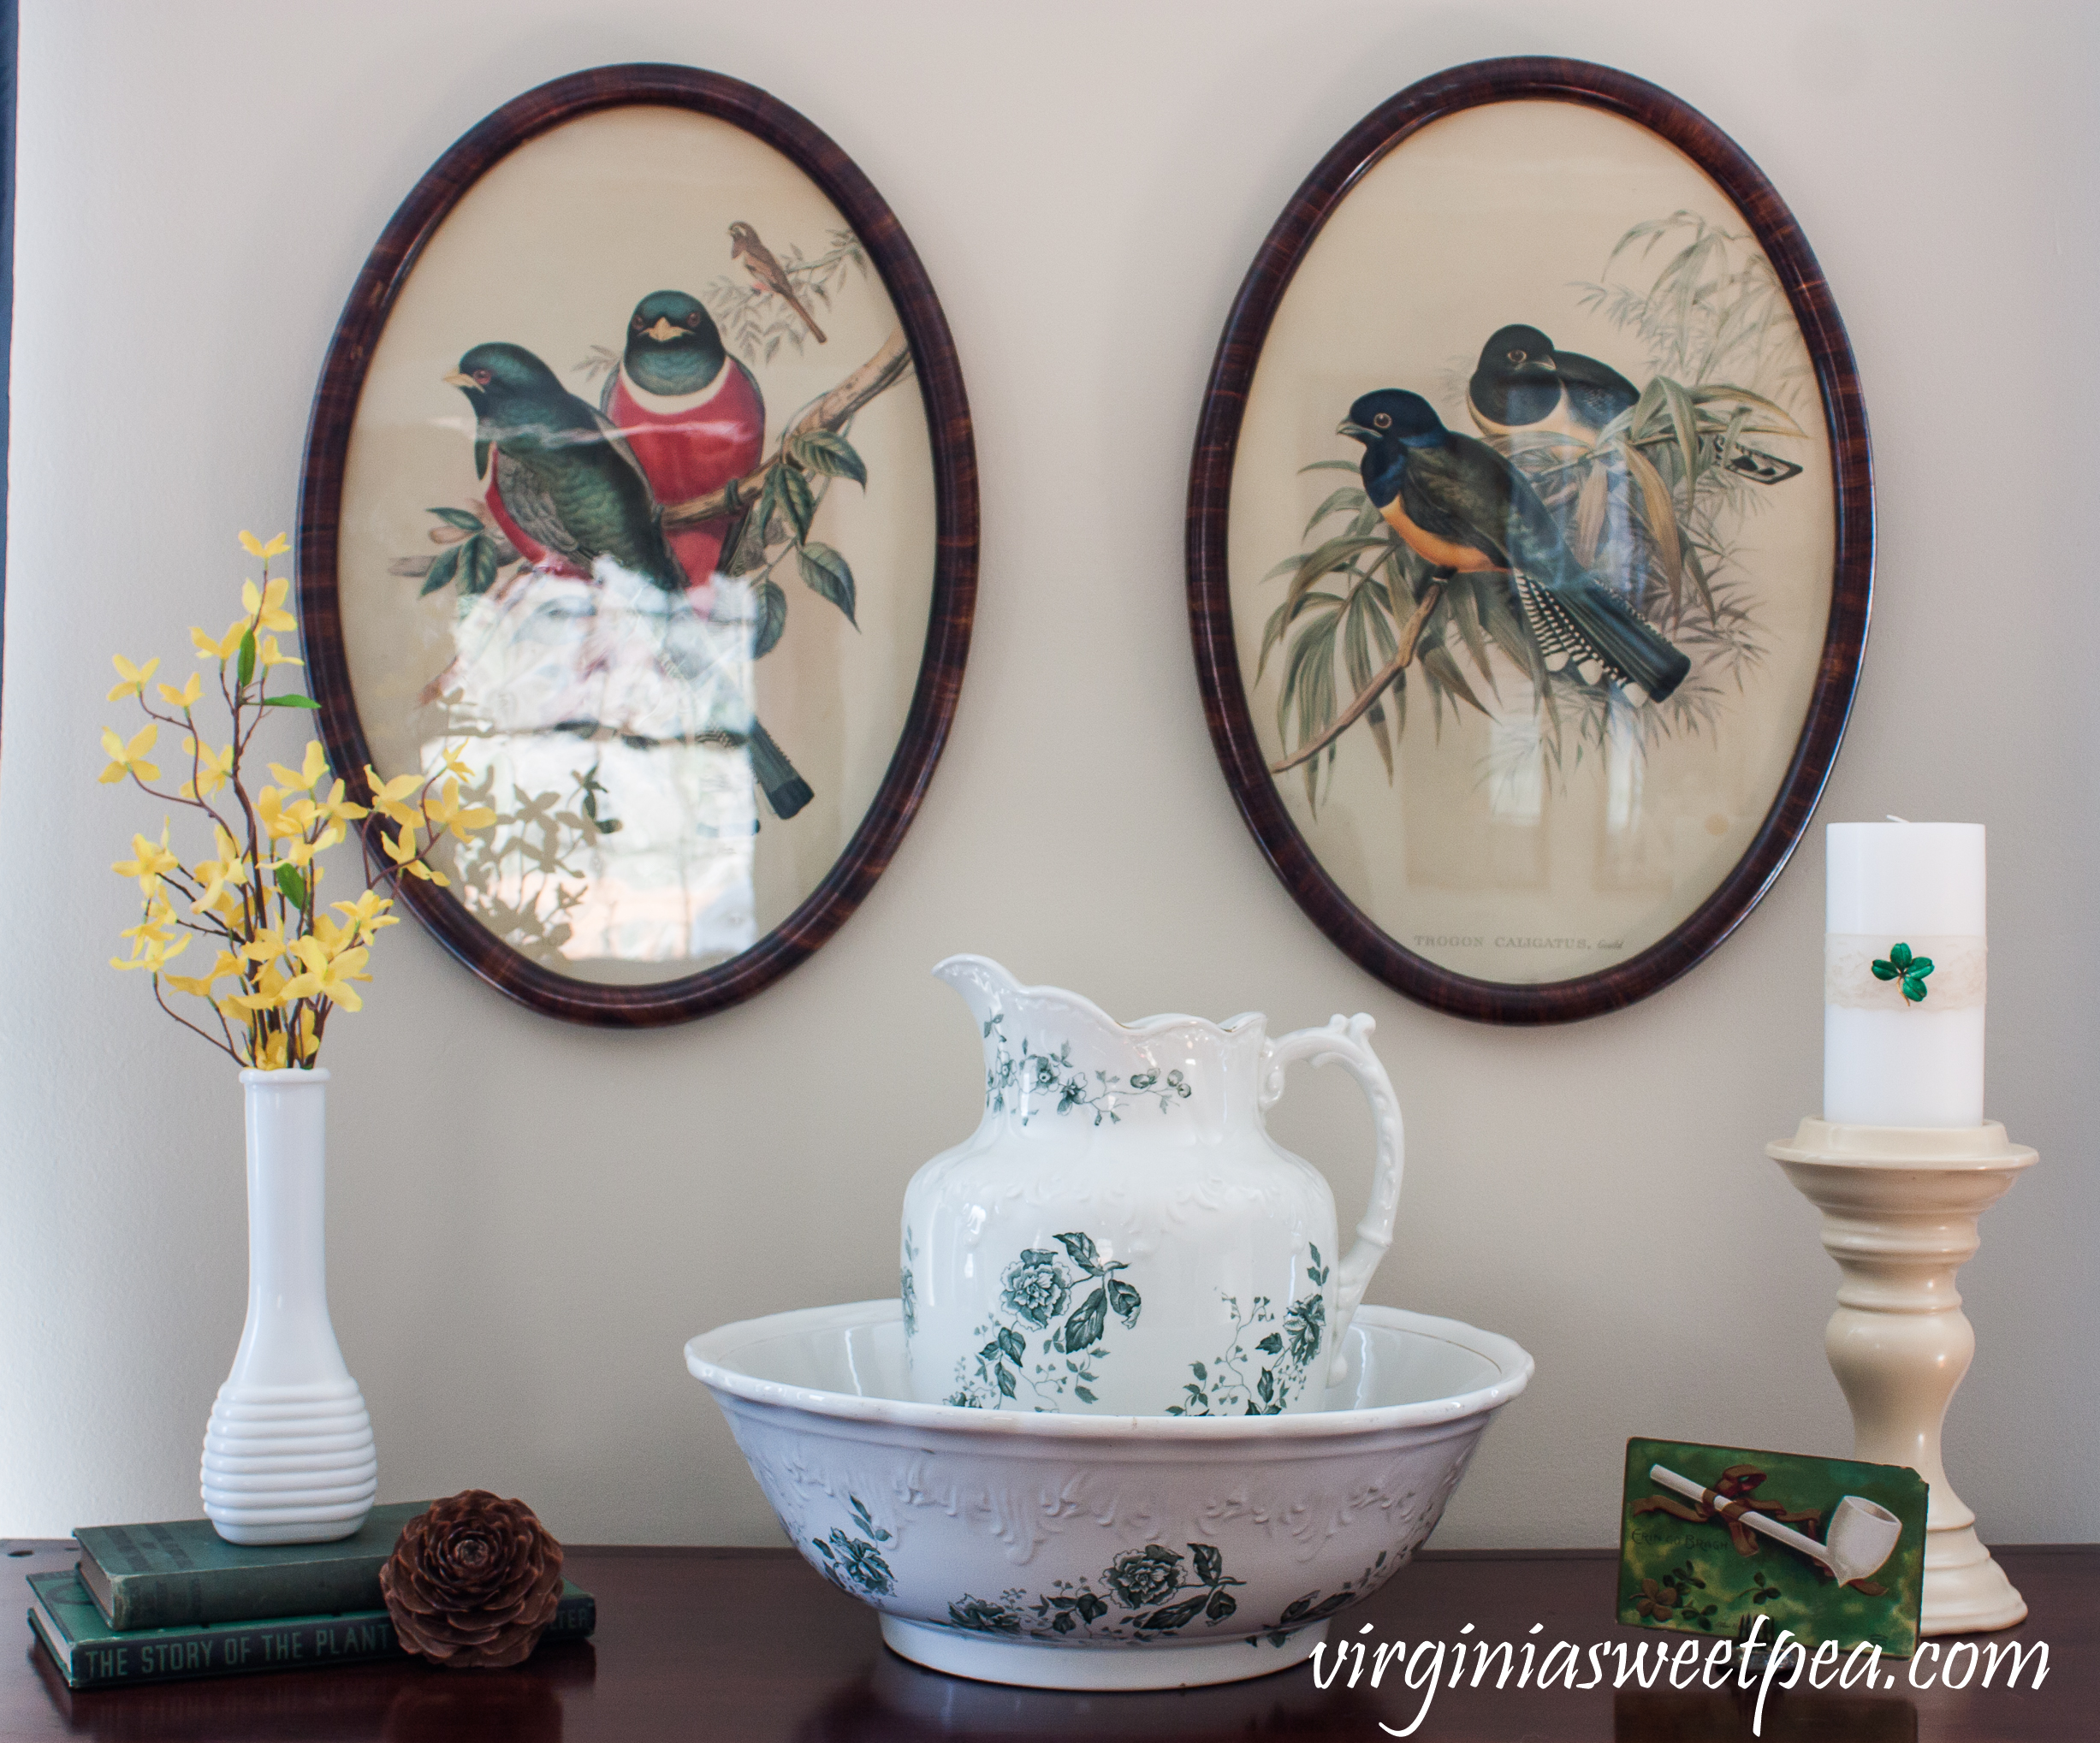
x=1714, y=1537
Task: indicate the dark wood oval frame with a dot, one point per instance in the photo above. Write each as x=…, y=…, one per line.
x=394, y=257
x=1210, y=618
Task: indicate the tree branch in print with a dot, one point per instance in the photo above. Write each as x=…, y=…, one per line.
x=889, y=365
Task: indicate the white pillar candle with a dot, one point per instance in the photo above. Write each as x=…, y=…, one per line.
x=1901, y=891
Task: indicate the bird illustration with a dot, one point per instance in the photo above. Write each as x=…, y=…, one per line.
x=767, y=273
x=692, y=414
x=566, y=489
x=1524, y=386
x=1459, y=505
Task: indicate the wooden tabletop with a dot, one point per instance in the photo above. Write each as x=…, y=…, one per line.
x=751, y=1646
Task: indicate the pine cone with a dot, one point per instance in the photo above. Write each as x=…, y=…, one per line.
x=473, y=1582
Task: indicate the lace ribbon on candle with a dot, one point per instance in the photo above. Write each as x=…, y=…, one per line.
x=1956, y=982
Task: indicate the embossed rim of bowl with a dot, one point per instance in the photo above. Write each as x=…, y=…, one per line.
x=711, y=1357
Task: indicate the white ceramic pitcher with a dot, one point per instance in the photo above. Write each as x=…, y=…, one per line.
x=1121, y=1235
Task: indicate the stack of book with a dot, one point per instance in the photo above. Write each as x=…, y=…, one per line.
x=149, y=1602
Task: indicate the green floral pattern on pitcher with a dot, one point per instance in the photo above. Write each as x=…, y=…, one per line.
x=1260, y=1377
x=1037, y=1296
x=907, y=1290
x=1013, y=1077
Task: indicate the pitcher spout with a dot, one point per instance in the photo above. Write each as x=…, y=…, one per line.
x=985, y=987
x=1011, y=1015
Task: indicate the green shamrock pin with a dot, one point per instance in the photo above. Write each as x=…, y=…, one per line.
x=1910, y=970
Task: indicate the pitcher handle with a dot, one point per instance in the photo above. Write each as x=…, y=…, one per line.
x=1346, y=1041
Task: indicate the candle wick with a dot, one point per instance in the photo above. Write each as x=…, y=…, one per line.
x=1893, y=818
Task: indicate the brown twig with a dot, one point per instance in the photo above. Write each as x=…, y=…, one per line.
x=222, y=1045
x=1371, y=692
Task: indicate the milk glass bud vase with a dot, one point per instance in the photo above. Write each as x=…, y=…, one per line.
x=288, y=1452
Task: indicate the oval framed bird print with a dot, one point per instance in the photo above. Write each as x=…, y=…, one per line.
x=1531, y=540
x=640, y=508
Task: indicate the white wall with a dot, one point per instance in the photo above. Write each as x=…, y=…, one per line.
x=528, y=1219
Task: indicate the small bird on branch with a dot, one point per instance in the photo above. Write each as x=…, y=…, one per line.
x=767, y=272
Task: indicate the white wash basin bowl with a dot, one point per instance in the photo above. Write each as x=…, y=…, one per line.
x=1067, y=1551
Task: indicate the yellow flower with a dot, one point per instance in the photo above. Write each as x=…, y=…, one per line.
x=387, y=796
x=447, y=812
x=225, y=647
x=266, y=945
x=266, y=654
x=280, y=819
x=150, y=859
x=315, y=769
x=333, y=935
x=214, y=767
x=231, y=866
x=326, y=977
x=271, y=1058
x=150, y=954
x=266, y=609
x=228, y=908
x=134, y=677
x=128, y=758
x=367, y=914
x=152, y=939
x=269, y=992
x=456, y=760
x=309, y=1042
x=255, y=547
x=402, y=850
x=185, y=697
x=156, y=924
x=335, y=808
x=200, y=985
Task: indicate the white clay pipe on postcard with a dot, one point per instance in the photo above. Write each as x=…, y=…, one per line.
x=1862, y=1536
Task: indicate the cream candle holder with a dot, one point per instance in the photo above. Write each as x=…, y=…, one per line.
x=1900, y=1204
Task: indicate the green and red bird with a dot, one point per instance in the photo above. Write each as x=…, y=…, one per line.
x=566, y=489
x=692, y=413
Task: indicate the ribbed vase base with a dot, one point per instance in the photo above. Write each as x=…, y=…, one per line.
x=288, y=1464
x=303, y=1533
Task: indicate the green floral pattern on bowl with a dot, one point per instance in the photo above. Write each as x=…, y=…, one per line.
x=1161, y=1594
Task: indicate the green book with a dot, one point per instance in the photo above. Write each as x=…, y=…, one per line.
x=181, y=1571
x=93, y=1654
